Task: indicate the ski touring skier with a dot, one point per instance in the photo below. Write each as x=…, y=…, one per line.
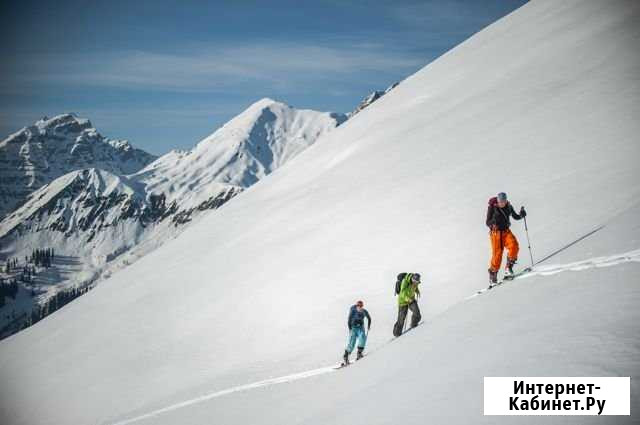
x=407, y=291
x=498, y=213
x=357, y=333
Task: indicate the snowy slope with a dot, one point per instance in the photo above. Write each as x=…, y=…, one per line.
x=542, y=104
x=435, y=373
x=100, y=222
x=52, y=147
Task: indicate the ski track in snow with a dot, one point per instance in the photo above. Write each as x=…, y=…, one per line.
x=259, y=384
x=246, y=387
x=596, y=262
x=585, y=264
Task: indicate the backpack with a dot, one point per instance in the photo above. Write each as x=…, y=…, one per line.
x=399, y=280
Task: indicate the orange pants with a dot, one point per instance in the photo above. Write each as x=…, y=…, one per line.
x=501, y=239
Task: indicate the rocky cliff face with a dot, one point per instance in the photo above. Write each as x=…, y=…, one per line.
x=372, y=97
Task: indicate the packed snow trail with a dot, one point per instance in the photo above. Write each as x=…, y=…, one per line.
x=607, y=261
x=264, y=383
x=596, y=262
x=239, y=388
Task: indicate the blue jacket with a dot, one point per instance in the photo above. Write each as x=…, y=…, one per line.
x=356, y=318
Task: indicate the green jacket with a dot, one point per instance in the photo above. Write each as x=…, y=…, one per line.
x=408, y=291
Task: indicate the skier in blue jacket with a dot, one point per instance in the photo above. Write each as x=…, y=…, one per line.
x=357, y=333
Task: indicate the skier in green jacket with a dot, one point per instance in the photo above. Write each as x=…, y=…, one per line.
x=408, y=292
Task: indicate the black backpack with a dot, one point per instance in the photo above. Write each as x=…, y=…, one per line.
x=399, y=280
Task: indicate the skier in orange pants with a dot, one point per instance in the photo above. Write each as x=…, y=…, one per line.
x=498, y=214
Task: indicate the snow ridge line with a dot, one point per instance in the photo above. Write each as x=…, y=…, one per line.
x=205, y=397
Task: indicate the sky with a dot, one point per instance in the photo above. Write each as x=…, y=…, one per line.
x=164, y=74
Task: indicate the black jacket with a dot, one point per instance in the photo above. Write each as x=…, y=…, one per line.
x=499, y=217
x=356, y=318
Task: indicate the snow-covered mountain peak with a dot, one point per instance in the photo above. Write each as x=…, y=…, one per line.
x=259, y=114
x=251, y=145
x=63, y=123
x=262, y=110
x=51, y=147
x=265, y=102
x=59, y=125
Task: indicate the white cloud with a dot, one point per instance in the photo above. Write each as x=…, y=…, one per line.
x=211, y=68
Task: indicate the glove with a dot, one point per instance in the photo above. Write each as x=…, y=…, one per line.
x=523, y=213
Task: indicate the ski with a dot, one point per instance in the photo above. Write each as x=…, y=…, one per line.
x=343, y=364
x=483, y=290
x=408, y=330
x=516, y=275
x=488, y=288
x=507, y=278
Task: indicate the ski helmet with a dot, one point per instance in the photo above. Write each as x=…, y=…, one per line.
x=359, y=303
x=502, y=197
x=415, y=277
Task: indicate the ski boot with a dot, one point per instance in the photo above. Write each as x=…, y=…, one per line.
x=360, y=355
x=345, y=358
x=509, y=269
x=493, y=277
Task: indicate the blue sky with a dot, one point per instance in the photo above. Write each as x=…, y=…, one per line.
x=164, y=74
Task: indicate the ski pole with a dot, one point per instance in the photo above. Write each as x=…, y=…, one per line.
x=557, y=251
x=526, y=229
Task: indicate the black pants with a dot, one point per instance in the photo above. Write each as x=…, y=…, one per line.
x=402, y=315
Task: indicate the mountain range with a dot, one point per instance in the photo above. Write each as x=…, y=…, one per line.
x=52, y=147
x=118, y=202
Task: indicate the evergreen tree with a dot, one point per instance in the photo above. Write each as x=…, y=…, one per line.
x=13, y=289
